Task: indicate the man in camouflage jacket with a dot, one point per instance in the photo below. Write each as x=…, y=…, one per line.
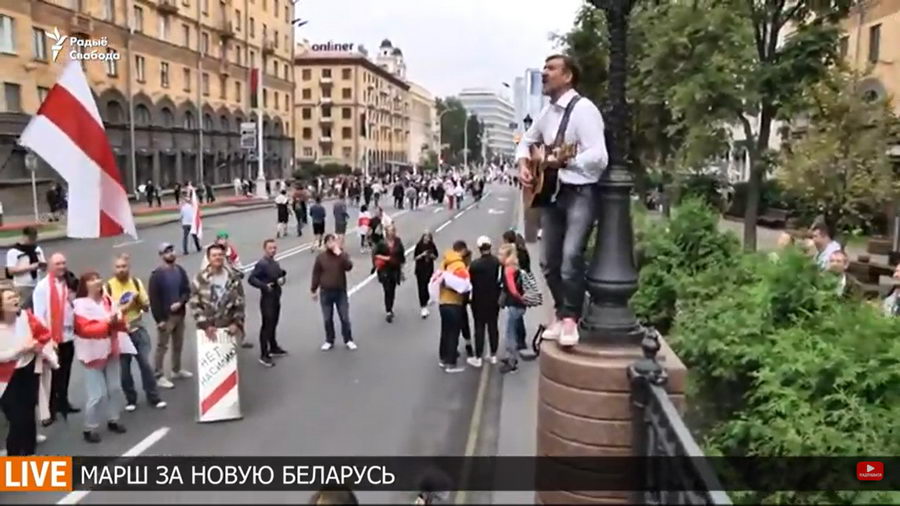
x=217, y=297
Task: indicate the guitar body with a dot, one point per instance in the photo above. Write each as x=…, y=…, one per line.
x=545, y=180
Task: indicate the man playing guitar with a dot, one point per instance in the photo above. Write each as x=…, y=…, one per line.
x=568, y=200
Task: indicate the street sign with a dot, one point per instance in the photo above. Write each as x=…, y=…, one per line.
x=248, y=135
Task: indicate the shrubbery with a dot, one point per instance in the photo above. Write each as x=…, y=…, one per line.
x=778, y=365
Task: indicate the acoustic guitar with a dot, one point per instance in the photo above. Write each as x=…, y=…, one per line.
x=544, y=180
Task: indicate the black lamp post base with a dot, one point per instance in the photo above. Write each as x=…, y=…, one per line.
x=610, y=324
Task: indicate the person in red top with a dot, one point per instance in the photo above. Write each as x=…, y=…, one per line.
x=511, y=299
x=23, y=340
x=100, y=337
x=388, y=258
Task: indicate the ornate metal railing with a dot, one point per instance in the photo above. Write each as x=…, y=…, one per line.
x=674, y=468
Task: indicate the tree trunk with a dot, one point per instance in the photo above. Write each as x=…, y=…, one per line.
x=751, y=212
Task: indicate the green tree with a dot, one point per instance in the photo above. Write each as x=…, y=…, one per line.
x=840, y=165
x=452, y=135
x=726, y=62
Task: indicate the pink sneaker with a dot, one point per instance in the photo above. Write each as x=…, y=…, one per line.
x=552, y=332
x=568, y=336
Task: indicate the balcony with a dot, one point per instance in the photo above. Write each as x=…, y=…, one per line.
x=167, y=6
x=326, y=101
x=325, y=140
x=227, y=30
x=81, y=24
x=268, y=47
x=326, y=119
x=326, y=80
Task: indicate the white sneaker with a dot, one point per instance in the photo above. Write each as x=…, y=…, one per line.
x=130, y=408
x=160, y=405
x=552, y=332
x=351, y=345
x=326, y=346
x=182, y=374
x=425, y=312
x=454, y=369
x=493, y=359
x=164, y=382
x=474, y=362
x=40, y=438
x=568, y=337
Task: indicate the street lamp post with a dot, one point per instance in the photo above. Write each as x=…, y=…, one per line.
x=441, y=137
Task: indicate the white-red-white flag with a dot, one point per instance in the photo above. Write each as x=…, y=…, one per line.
x=197, y=223
x=68, y=133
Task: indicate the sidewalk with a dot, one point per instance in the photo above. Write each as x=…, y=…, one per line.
x=144, y=217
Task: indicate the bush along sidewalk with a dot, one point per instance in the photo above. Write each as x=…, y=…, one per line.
x=778, y=364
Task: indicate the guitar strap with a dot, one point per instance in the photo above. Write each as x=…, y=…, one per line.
x=561, y=138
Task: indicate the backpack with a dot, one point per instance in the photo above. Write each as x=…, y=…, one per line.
x=531, y=293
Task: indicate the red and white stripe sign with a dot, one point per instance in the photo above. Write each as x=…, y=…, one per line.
x=68, y=133
x=217, y=370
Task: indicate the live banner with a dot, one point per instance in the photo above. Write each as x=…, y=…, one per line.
x=217, y=369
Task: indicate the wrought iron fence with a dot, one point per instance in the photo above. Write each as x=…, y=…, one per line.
x=660, y=432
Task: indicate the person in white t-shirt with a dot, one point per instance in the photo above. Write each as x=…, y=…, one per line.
x=26, y=265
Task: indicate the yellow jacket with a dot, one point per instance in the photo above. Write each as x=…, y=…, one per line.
x=454, y=267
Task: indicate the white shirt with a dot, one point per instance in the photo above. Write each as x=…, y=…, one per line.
x=825, y=255
x=16, y=258
x=585, y=130
x=281, y=199
x=42, y=306
x=187, y=214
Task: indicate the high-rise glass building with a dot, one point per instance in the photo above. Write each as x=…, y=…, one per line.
x=498, y=115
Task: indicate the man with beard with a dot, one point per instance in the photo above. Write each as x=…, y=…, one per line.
x=169, y=290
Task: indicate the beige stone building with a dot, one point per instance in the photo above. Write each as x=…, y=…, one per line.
x=422, y=128
x=186, y=63
x=350, y=110
x=871, y=45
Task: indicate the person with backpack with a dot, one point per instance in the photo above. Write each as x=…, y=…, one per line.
x=512, y=300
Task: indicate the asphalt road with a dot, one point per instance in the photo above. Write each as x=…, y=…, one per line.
x=387, y=398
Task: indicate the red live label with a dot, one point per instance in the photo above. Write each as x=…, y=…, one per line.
x=870, y=471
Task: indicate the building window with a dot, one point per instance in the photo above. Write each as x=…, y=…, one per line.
x=307, y=152
x=205, y=84
x=205, y=6
x=186, y=34
x=347, y=152
x=237, y=92
x=112, y=65
x=347, y=133
x=326, y=132
x=223, y=85
x=307, y=74
x=307, y=133
x=13, y=94
x=265, y=5
x=307, y=113
x=164, y=74
x=189, y=120
x=326, y=151
x=265, y=32
x=326, y=92
x=265, y=98
x=109, y=9
x=276, y=39
x=874, y=43
x=139, y=68
x=164, y=27
x=326, y=111
x=252, y=59
x=237, y=55
x=186, y=76
x=142, y=115
x=168, y=119
x=207, y=122
x=277, y=104
x=307, y=94
x=138, y=19
x=39, y=43
x=204, y=45
x=843, y=46
x=42, y=94
x=345, y=113
x=287, y=44
x=326, y=73
x=346, y=74
x=346, y=93
x=252, y=27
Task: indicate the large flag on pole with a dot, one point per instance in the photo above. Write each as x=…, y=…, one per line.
x=197, y=223
x=68, y=133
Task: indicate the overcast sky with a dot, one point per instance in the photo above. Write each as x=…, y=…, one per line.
x=448, y=44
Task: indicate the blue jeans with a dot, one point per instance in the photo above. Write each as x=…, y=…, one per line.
x=141, y=340
x=515, y=328
x=102, y=385
x=329, y=299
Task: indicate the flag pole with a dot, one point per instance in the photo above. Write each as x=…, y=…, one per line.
x=131, y=67
x=260, y=148
x=200, y=125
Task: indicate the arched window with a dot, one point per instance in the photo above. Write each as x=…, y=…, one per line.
x=114, y=112
x=223, y=123
x=237, y=123
x=207, y=122
x=189, y=122
x=168, y=119
x=141, y=115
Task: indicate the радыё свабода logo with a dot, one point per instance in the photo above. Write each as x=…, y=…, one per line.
x=82, y=49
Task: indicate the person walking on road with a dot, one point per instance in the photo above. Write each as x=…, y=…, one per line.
x=187, y=220
x=486, y=279
x=362, y=226
x=129, y=295
x=398, y=193
x=513, y=301
x=388, y=258
x=329, y=286
x=282, y=214
x=377, y=191
x=424, y=255
x=176, y=192
x=169, y=290
x=217, y=298
x=268, y=277
x=24, y=344
x=53, y=298
x=454, y=285
x=317, y=214
x=26, y=265
x=100, y=337
x=341, y=217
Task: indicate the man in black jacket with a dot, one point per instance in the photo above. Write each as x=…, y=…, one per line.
x=268, y=277
x=169, y=290
x=485, y=273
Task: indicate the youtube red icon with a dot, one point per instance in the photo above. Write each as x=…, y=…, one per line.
x=870, y=471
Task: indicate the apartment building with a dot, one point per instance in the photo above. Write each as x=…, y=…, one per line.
x=349, y=110
x=182, y=66
x=422, y=124
x=871, y=46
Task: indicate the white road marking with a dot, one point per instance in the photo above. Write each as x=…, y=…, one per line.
x=147, y=442
x=437, y=210
x=496, y=211
x=442, y=227
x=128, y=243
